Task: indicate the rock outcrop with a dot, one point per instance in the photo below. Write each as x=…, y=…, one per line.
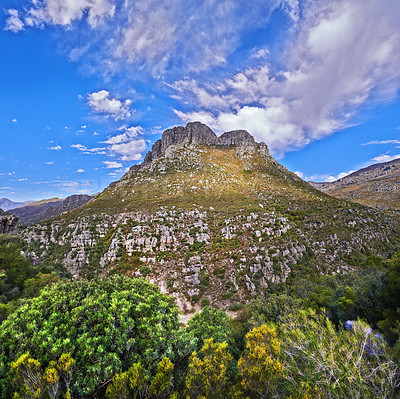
x=196, y=133
x=8, y=223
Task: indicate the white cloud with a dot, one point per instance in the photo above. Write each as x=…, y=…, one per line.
x=202, y=34
x=260, y=53
x=54, y=148
x=129, y=134
x=49, y=163
x=385, y=158
x=318, y=177
x=339, y=176
x=76, y=186
x=126, y=145
x=344, y=54
x=23, y=179
x=300, y=174
x=382, y=142
x=112, y=164
x=13, y=21
x=64, y=13
x=157, y=35
x=102, y=103
x=80, y=170
x=130, y=151
x=14, y=120
x=92, y=151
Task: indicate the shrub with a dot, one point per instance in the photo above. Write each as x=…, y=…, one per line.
x=106, y=326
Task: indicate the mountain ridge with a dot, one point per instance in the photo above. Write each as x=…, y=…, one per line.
x=195, y=133
x=6, y=204
x=377, y=185
x=216, y=222
x=45, y=209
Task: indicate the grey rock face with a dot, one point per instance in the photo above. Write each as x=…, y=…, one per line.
x=8, y=223
x=196, y=133
x=236, y=138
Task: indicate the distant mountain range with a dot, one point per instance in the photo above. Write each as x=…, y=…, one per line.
x=7, y=204
x=48, y=208
x=377, y=185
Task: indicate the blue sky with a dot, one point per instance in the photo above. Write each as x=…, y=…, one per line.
x=86, y=87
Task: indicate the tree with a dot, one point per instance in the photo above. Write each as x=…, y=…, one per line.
x=210, y=323
x=259, y=367
x=134, y=383
x=206, y=375
x=106, y=325
x=32, y=382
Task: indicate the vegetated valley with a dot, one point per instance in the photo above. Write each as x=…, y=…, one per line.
x=207, y=271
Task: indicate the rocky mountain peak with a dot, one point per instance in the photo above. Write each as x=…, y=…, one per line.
x=197, y=133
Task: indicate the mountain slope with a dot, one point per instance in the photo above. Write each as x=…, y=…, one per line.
x=215, y=218
x=6, y=204
x=377, y=185
x=46, y=209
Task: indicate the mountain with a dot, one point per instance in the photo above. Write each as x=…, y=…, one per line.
x=46, y=209
x=7, y=204
x=214, y=219
x=377, y=185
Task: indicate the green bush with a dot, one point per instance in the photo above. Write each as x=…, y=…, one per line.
x=106, y=325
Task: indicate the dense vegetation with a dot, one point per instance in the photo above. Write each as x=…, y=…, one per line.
x=121, y=338
x=19, y=278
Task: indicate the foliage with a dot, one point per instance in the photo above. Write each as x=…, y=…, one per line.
x=15, y=267
x=341, y=364
x=210, y=323
x=19, y=278
x=391, y=315
x=106, y=325
x=32, y=382
x=206, y=375
x=259, y=367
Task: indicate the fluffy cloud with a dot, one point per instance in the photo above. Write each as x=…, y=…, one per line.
x=129, y=151
x=59, y=12
x=157, y=35
x=385, y=158
x=344, y=54
x=80, y=170
x=71, y=185
x=323, y=177
x=126, y=145
x=13, y=21
x=102, y=103
x=112, y=164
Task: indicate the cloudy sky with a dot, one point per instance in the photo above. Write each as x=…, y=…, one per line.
x=86, y=86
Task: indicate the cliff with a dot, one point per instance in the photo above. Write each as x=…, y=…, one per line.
x=194, y=134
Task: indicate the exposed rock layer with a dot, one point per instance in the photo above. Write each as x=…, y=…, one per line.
x=8, y=223
x=196, y=133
